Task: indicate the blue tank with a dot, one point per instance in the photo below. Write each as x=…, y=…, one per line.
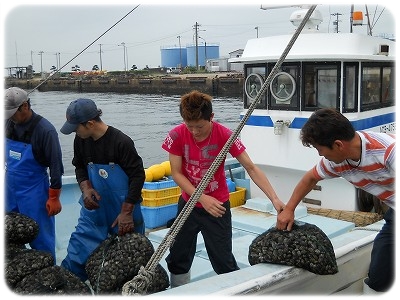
x=173, y=57
x=205, y=51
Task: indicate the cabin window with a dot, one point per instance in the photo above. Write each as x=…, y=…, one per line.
x=350, y=87
x=377, y=86
x=327, y=88
x=321, y=85
x=284, y=87
x=388, y=84
x=255, y=77
x=371, y=86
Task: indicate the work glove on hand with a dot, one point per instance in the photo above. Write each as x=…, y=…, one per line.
x=90, y=195
x=125, y=219
x=53, y=204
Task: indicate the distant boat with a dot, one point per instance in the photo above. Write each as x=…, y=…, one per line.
x=350, y=72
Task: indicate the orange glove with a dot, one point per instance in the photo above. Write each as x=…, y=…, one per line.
x=53, y=204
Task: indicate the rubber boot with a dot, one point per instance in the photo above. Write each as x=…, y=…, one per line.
x=367, y=290
x=179, y=279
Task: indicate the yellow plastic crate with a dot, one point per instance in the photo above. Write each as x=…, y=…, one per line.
x=153, y=202
x=160, y=193
x=237, y=198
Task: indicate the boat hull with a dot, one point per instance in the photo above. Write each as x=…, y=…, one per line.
x=352, y=246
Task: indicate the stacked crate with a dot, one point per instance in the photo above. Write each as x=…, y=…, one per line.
x=160, y=202
x=237, y=197
x=237, y=194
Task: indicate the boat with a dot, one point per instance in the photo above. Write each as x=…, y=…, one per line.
x=350, y=72
x=351, y=240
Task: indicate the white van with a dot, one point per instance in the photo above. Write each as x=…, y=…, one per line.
x=173, y=70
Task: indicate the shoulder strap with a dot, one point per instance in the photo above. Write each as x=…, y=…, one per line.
x=28, y=133
x=10, y=133
x=26, y=138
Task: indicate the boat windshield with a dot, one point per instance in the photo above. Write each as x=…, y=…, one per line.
x=310, y=85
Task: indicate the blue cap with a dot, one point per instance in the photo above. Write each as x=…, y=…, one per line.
x=79, y=111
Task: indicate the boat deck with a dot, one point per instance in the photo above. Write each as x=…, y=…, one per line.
x=248, y=221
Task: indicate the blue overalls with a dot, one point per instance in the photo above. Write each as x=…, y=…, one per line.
x=27, y=191
x=94, y=226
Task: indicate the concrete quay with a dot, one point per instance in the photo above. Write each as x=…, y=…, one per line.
x=213, y=84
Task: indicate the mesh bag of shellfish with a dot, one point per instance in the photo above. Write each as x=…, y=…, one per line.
x=118, y=259
x=305, y=246
x=25, y=263
x=12, y=250
x=20, y=229
x=53, y=280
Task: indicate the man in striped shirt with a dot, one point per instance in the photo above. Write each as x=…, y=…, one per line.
x=364, y=158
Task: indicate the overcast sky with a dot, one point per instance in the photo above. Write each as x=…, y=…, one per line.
x=146, y=28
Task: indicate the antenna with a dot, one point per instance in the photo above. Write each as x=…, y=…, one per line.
x=336, y=23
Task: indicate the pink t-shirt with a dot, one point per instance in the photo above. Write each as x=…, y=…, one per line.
x=198, y=157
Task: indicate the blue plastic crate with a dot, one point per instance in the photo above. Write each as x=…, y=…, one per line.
x=158, y=216
x=161, y=184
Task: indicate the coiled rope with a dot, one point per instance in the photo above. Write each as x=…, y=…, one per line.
x=137, y=286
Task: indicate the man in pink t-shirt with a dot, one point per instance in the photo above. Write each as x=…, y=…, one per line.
x=192, y=147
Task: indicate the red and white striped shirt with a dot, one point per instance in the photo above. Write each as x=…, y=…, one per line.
x=376, y=172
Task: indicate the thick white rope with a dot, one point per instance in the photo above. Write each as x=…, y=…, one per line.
x=134, y=286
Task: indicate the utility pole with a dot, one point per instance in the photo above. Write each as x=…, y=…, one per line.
x=205, y=52
x=41, y=63
x=336, y=23
x=127, y=59
x=205, y=55
x=197, y=46
x=256, y=28
x=180, y=52
x=58, y=60
x=16, y=53
x=123, y=45
x=101, y=62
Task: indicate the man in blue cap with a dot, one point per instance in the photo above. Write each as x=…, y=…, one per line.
x=110, y=174
x=32, y=148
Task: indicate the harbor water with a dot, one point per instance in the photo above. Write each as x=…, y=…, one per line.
x=145, y=118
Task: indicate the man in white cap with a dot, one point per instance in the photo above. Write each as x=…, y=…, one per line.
x=32, y=149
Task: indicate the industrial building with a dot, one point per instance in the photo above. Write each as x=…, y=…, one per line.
x=208, y=57
x=181, y=57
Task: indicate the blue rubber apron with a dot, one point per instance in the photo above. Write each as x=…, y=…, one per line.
x=94, y=226
x=27, y=191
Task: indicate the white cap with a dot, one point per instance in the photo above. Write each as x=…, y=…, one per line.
x=14, y=97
